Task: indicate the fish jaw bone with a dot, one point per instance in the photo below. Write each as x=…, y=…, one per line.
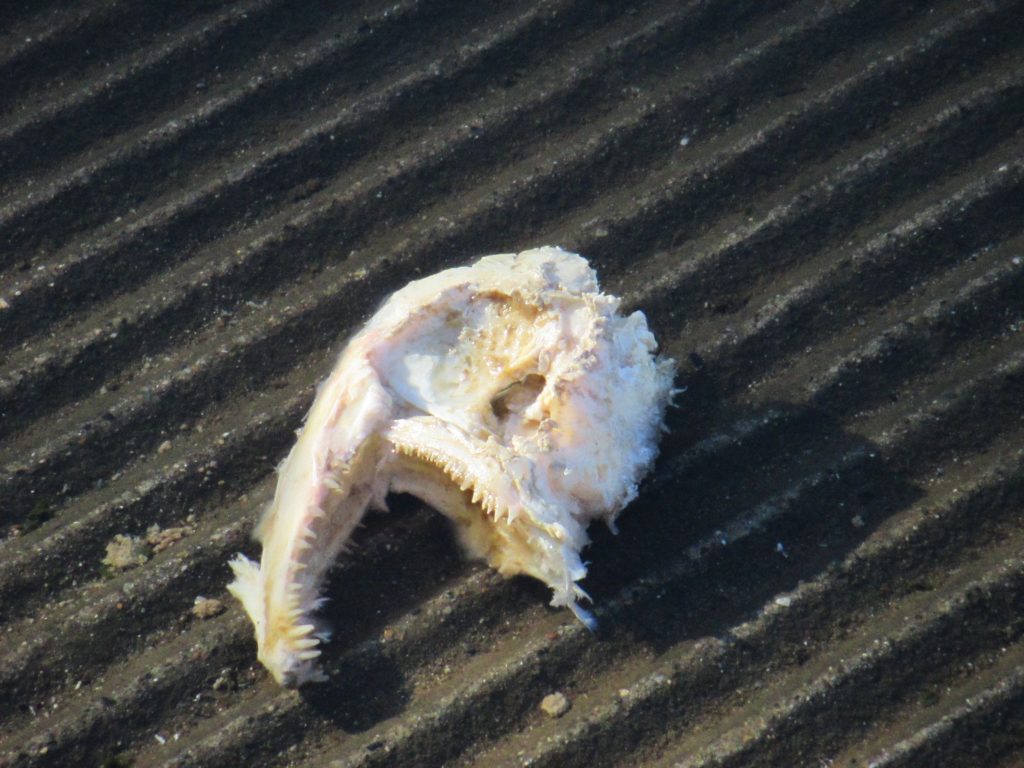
x=491, y=495
x=511, y=395
x=324, y=488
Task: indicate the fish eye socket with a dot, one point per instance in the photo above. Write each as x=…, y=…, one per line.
x=517, y=396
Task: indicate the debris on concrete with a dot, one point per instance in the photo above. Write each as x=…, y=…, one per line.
x=555, y=704
x=161, y=538
x=207, y=607
x=124, y=552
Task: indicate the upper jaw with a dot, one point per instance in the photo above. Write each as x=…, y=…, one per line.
x=497, y=499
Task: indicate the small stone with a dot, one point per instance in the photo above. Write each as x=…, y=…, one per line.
x=164, y=447
x=207, y=607
x=784, y=601
x=857, y=521
x=125, y=552
x=554, y=704
x=225, y=681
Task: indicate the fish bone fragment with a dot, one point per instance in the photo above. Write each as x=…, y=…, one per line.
x=511, y=395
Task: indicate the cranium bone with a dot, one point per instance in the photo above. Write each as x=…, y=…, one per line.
x=510, y=395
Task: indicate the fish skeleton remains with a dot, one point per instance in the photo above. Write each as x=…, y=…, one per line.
x=510, y=395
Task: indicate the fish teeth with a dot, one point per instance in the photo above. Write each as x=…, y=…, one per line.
x=301, y=630
x=490, y=506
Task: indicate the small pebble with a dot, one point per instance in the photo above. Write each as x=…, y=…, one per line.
x=207, y=607
x=857, y=521
x=555, y=704
x=165, y=446
x=225, y=681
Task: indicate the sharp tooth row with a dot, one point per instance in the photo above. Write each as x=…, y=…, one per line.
x=306, y=537
x=459, y=476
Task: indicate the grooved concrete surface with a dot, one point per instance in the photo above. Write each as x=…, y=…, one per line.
x=819, y=207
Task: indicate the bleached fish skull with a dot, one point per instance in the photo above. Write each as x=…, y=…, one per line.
x=510, y=395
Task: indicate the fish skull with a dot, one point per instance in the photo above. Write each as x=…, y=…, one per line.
x=510, y=395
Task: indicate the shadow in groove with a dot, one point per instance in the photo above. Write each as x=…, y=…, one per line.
x=817, y=490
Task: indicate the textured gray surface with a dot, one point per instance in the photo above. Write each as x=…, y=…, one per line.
x=819, y=208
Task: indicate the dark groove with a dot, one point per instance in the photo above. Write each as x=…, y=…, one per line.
x=309, y=167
